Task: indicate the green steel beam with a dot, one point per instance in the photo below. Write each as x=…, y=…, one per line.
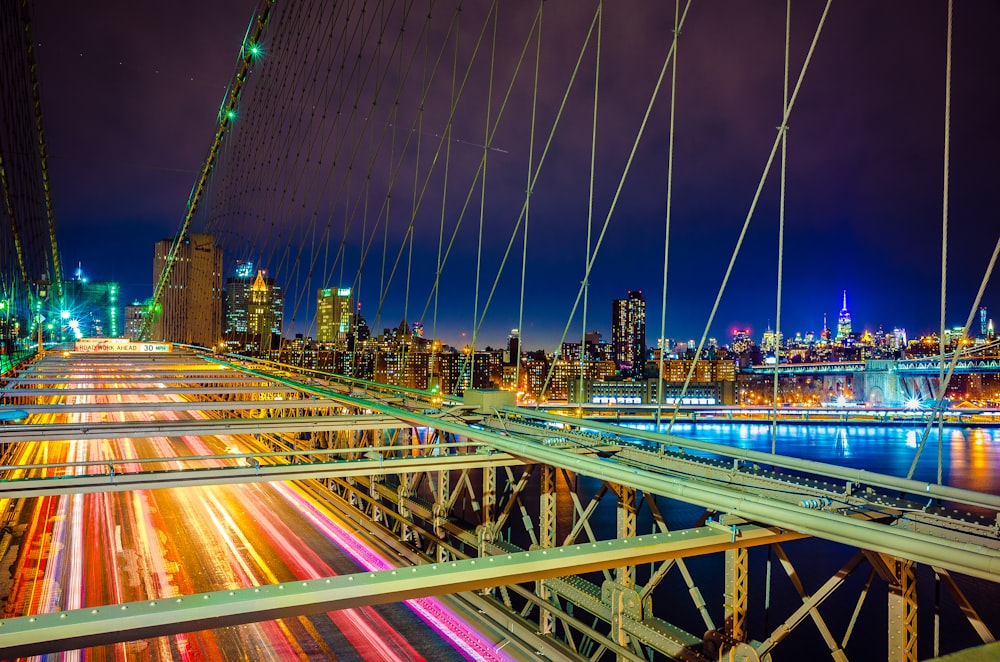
x=93, y=626
x=246, y=469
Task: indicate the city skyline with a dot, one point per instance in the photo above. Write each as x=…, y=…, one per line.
x=865, y=175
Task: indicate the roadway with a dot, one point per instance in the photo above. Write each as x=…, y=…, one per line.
x=82, y=550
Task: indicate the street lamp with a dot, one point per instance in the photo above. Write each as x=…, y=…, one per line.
x=42, y=290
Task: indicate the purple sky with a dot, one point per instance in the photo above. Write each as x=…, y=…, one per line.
x=130, y=95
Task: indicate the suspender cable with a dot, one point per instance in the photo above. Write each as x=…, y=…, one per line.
x=537, y=170
x=666, y=224
x=938, y=405
x=435, y=372
x=479, y=169
x=618, y=190
x=944, y=239
x=226, y=116
x=527, y=199
x=56, y=275
x=590, y=203
x=470, y=362
x=753, y=206
x=781, y=231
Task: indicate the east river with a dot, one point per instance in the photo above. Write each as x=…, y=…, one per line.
x=970, y=459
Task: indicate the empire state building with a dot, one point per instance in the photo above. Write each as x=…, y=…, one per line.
x=844, y=322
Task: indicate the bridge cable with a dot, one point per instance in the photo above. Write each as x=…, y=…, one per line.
x=753, y=206
x=666, y=225
x=470, y=362
x=781, y=232
x=777, y=322
x=942, y=385
x=618, y=190
x=56, y=274
x=476, y=175
x=590, y=203
x=435, y=368
x=437, y=153
x=224, y=124
x=938, y=408
x=527, y=199
x=944, y=235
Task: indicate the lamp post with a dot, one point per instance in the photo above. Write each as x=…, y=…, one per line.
x=42, y=290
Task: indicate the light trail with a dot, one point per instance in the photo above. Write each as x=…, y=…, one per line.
x=431, y=610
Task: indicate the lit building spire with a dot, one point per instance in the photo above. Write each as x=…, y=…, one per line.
x=844, y=322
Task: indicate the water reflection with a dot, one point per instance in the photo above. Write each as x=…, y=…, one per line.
x=970, y=455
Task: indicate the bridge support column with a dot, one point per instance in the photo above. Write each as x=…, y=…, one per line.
x=546, y=539
x=902, y=610
x=736, y=595
x=488, y=515
x=442, y=497
x=626, y=529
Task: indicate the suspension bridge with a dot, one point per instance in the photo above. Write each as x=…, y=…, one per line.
x=450, y=164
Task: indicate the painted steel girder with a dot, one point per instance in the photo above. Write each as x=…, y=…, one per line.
x=79, y=628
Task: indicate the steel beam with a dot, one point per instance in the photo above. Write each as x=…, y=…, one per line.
x=194, y=477
x=93, y=626
x=196, y=427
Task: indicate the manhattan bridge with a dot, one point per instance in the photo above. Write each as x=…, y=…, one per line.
x=202, y=503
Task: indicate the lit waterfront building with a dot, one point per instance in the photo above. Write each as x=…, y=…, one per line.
x=844, y=322
x=190, y=309
x=333, y=315
x=628, y=333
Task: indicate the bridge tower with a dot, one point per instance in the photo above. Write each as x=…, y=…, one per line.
x=879, y=384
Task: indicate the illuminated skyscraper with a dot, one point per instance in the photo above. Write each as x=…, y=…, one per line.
x=844, y=322
x=628, y=333
x=333, y=314
x=237, y=301
x=261, y=312
x=191, y=303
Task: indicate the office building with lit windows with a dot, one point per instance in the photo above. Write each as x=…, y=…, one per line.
x=190, y=307
x=333, y=315
x=628, y=333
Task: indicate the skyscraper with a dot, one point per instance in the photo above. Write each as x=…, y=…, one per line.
x=844, y=322
x=261, y=313
x=190, y=308
x=238, y=299
x=333, y=314
x=628, y=333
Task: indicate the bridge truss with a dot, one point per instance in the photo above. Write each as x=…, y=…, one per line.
x=579, y=540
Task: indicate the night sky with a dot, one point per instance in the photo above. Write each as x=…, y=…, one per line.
x=131, y=92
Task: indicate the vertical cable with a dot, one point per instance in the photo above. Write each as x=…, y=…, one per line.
x=471, y=362
x=944, y=240
x=444, y=202
x=590, y=199
x=666, y=226
x=527, y=200
x=781, y=232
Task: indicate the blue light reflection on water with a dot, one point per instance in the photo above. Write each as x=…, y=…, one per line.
x=970, y=455
x=970, y=460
